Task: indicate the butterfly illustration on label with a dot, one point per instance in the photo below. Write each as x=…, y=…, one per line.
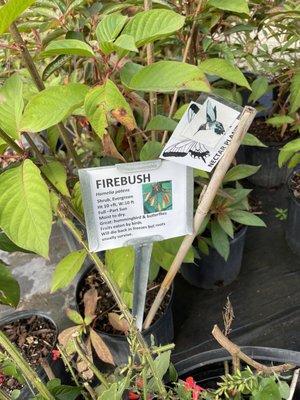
x=188, y=146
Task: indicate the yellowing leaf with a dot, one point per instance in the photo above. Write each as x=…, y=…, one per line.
x=57, y=175
x=51, y=106
x=11, y=106
x=104, y=99
x=67, y=269
x=25, y=210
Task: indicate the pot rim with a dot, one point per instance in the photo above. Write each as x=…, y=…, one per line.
x=210, y=357
x=151, y=328
x=292, y=196
x=25, y=314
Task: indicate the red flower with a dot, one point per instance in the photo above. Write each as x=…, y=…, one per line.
x=55, y=354
x=190, y=384
x=2, y=378
x=133, y=396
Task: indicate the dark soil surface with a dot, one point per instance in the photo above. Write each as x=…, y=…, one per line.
x=106, y=303
x=35, y=337
x=268, y=134
x=295, y=185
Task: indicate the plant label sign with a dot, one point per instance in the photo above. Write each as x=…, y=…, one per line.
x=138, y=200
x=203, y=133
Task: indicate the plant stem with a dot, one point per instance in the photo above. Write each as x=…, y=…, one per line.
x=184, y=58
x=28, y=61
x=24, y=367
x=118, y=299
x=4, y=396
x=90, y=364
x=11, y=143
x=236, y=352
x=150, y=60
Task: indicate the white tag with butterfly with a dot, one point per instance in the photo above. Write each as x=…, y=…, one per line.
x=203, y=133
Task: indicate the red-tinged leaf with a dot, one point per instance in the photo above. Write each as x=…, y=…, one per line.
x=101, y=348
x=118, y=323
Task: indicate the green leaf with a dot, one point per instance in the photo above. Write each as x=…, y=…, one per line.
x=240, y=171
x=67, y=269
x=125, y=42
x=74, y=316
x=162, y=363
x=246, y=218
x=180, y=112
x=203, y=246
x=51, y=106
x=150, y=151
x=68, y=47
x=226, y=224
x=267, y=390
x=120, y=264
x=11, y=11
x=284, y=389
x=288, y=151
x=251, y=140
x=53, y=136
x=259, y=87
x=107, y=98
x=7, y=245
x=108, y=29
x=77, y=198
x=57, y=175
x=127, y=72
x=11, y=106
x=225, y=70
x=161, y=123
x=169, y=76
x=25, y=211
x=295, y=93
x=280, y=120
x=64, y=392
x=148, y=26
x=220, y=240
x=9, y=287
x=237, y=6
x=54, y=65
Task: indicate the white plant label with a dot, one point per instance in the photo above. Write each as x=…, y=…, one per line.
x=203, y=134
x=136, y=200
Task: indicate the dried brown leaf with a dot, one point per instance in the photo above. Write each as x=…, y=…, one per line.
x=141, y=104
x=101, y=348
x=118, y=323
x=90, y=299
x=66, y=335
x=82, y=365
x=109, y=148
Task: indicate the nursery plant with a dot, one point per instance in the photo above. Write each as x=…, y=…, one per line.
x=80, y=98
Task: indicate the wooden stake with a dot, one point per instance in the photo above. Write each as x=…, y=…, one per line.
x=205, y=200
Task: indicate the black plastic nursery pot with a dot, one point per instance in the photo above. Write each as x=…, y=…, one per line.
x=292, y=232
x=56, y=366
x=212, y=271
x=162, y=331
x=269, y=175
x=206, y=368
